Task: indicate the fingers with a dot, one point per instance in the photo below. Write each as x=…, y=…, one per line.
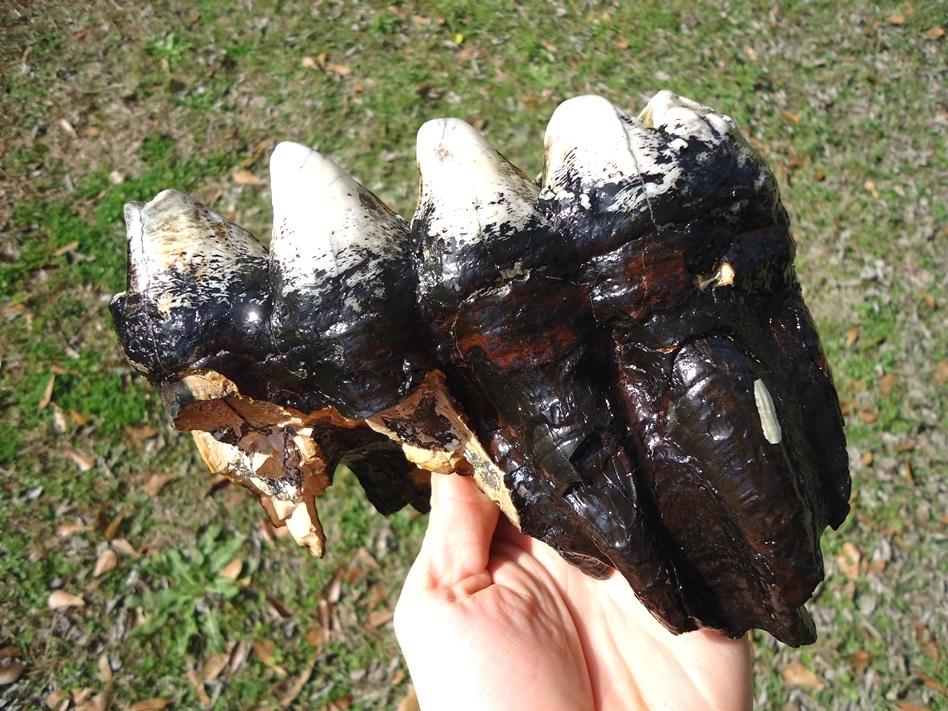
x=460, y=529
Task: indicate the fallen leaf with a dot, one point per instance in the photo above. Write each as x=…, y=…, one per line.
x=907, y=471
x=931, y=651
x=105, y=669
x=55, y=699
x=909, y=706
x=80, y=696
x=410, y=701
x=157, y=482
x=379, y=617
x=934, y=33
x=121, y=545
x=859, y=661
x=112, y=530
x=238, y=656
x=870, y=187
x=67, y=128
x=47, y=393
x=212, y=668
x=10, y=673
x=896, y=18
x=848, y=561
x=309, y=63
x=245, y=177
x=888, y=383
x=852, y=335
x=316, y=636
x=60, y=599
x=941, y=373
x=264, y=650
x=791, y=117
x=868, y=416
x=84, y=461
x=282, y=609
x=297, y=686
x=932, y=684
x=866, y=458
x=231, y=571
x=150, y=705
x=70, y=529
x=340, y=69
x=877, y=566
x=194, y=676
x=10, y=651
x=796, y=674
x=106, y=561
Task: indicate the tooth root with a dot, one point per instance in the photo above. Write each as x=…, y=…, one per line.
x=196, y=282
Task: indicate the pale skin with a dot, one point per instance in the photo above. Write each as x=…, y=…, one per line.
x=491, y=619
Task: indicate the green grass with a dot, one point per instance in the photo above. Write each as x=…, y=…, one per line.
x=846, y=101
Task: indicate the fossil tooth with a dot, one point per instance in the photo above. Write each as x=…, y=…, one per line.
x=197, y=284
x=342, y=285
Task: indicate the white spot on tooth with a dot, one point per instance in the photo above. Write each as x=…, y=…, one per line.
x=768, y=416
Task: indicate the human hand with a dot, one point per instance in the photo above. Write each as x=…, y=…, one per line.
x=492, y=619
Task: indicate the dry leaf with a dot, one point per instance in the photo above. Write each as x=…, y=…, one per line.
x=157, y=482
x=55, y=699
x=340, y=69
x=852, y=335
x=10, y=651
x=121, y=545
x=410, y=701
x=848, y=561
x=281, y=607
x=106, y=561
x=870, y=187
x=309, y=63
x=80, y=696
x=105, y=669
x=866, y=459
x=214, y=665
x=297, y=686
x=796, y=674
x=47, y=393
x=316, y=636
x=238, y=656
x=934, y=33
x=909, y=706
x=896, y=18
x=907, y=471
x=859, y=661
x=150, y=705
x=933, y=684
x=791, y=117
x=59, y=599
x=264, y=649
x=84, y=461
x=70, y=529
x=868, y=416
x=194, y=676
x=379, y=617
x=10, y=673
x=245, y=177
x=112, y=530
x=941, y=373
x=888, y=383
x=231, y=571
x=67, y=128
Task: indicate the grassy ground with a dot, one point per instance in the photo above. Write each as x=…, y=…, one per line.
x=188, y=597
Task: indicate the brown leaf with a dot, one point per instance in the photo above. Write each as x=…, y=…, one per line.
x=47, y=393
x=848, y=561
x=245, y=177
x=866, y=458
x=859, y=661
x=316, y=636
x=309, y=63
x=297, y=686
x=909, y=706
x=379, y=617
x=214, y=665
x=852, y=335
x=870, y=187
x=333, y=591
x=888, y=383
x=157, y=482
x=264, y=650
x=10, y=651
x=70, y=529
x=941, y=373
x=907, y=471
x=932, y=684
x=791, y=117
x=796, y=674
x=84, y=461
x=106, y=561
x=121, y=545
x=868, y=416
x=931, y=651
x=60, y=599
x=67, y=128
x=896, y=18
x=150, y=705
x=194, y=676
x=934, y=33
x=281, y=607
x=238, y=656
x=231, y=571
x=105, y=669
x=340, y=69
x=55, y=699
x=410, y=700
x=112, y=530
x=10, y=673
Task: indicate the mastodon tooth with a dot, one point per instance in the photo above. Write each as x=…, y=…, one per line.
x=342, y=285
x=197, y=285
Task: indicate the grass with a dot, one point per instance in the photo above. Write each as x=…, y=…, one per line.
x=100, y=106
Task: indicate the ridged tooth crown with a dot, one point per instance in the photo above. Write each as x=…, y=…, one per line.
x=173, y=238
x=326, y=224
x=468, y=188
